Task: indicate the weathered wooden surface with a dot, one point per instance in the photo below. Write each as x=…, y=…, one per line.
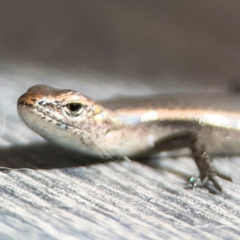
x=103, y=49
x=71, y=197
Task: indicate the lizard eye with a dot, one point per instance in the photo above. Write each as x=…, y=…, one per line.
x=75, y=108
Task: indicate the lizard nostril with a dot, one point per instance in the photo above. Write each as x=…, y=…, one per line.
x=21, y=100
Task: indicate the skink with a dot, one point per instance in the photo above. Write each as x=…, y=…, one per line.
x=205, y=123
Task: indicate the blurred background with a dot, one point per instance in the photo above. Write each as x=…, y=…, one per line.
x=105, y=48
x=126, y=47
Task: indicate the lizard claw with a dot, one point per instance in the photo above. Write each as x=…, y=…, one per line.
x=203, y=181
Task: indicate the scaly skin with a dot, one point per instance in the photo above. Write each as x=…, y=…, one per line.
x=134, y=126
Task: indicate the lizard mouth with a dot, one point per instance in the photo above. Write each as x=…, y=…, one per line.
x=33, y=114
x=28, y=103
x=25, y=103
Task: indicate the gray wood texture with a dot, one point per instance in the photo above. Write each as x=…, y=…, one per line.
x=104, y=49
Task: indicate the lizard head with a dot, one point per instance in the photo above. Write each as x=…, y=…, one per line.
x=62, y=116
